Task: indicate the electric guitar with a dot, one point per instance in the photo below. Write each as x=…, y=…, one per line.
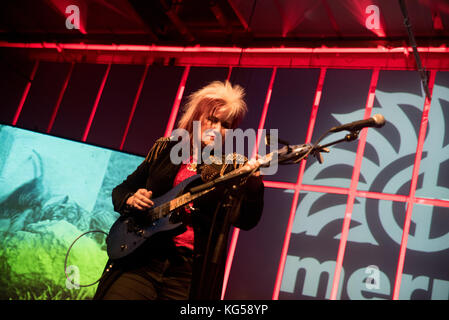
x=129, y=232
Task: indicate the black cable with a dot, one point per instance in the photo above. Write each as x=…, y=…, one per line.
x=67, y=256
x=313, y=147
x=250, y=19
x=421, y=69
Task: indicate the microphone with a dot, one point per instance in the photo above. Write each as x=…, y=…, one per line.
x=377, y=121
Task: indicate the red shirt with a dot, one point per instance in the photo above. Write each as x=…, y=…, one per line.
x=184, y=239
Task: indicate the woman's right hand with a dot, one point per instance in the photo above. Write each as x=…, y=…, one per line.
x=140, y=200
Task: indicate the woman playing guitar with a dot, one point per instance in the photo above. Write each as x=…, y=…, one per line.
x=182, y=263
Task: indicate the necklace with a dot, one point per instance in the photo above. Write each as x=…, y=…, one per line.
x=191, y=166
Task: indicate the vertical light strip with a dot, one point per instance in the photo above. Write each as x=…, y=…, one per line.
x=264, y=113
x=353, y=187
x=316, y=103
x=411, y=198
x=61, y=95
x=176, y=104
x=236, y=231
x=133, y=108
x=25, y=93
x=234, y=239
x=228, y=77
x=229, y=260
x=291, y=219
x=95, y=106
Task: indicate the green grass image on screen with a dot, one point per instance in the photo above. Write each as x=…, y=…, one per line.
x=51, y=191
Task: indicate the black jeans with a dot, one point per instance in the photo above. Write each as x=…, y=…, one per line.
x=162, y=278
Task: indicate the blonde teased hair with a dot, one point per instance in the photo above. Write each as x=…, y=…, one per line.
x=215, y=96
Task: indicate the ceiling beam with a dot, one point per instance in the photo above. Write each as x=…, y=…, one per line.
x=239, y=15
x=220, y=16
x=171, y=12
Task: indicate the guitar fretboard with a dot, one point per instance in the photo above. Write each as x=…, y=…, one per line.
x=167, y=207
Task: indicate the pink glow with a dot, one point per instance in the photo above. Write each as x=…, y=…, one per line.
x=265, y=54
x=324, y=189
x=358, y=10
x=61, y=5
x=313, y=114
x=280, y=273
x=316, y=103
x=236, y=231
x=292, y=13
x=61, y=95
x=25, y=93
x=287, y=236
x=133, y=108
x=358, y=193
x=234, y=239
x=176, y=104
x=433, y=202
x=381, y=196
x=401, y=259
x=95, y=106
x=408, y=214
x=298, y=185
x=279, y=185
x=228, y=77
x=199, y=49
x=353, y=187
x=229, y=260
x=238, y=14
x=264, y=113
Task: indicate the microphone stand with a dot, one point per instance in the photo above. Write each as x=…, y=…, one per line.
x=353, y=135
x=316, y=149
x=212, y=259
x=209, y=287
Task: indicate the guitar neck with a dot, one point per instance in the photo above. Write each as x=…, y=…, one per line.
x=282, y=154
x=164, y=209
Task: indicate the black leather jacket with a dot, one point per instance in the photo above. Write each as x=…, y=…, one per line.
x=157, y=173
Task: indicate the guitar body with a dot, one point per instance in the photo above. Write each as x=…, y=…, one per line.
x=129, y=232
